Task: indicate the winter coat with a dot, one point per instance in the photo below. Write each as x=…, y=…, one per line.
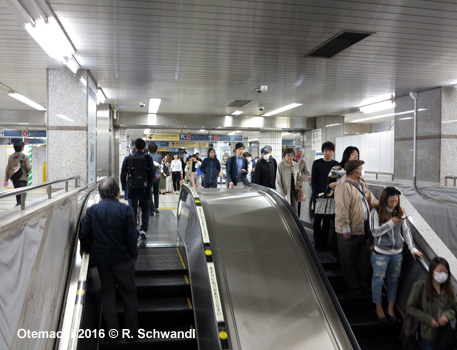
x=265, y=173
x=283, y=179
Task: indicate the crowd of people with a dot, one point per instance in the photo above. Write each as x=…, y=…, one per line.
x=348, y=220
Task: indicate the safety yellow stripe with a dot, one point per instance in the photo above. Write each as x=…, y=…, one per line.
x=187, y=280
x=180, y=257
x=190, y=305
x=168, y=208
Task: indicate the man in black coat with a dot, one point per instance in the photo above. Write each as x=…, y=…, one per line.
x=108, y=233
x=265, y=169
x=236, y=168
x=139, y=196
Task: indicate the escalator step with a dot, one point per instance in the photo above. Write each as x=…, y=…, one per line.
x=162, y=286
x=365, y=325
x=336, y=279
x=160, y=261
x=161, y=312
x=381, y=344
x=353, y=303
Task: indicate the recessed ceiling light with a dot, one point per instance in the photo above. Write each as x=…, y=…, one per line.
x=282, y=109
x=237, y=113
x=154, y=104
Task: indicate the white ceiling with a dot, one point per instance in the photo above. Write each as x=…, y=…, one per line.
x=201, y=55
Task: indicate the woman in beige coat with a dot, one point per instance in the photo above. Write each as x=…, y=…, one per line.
x=288, y=178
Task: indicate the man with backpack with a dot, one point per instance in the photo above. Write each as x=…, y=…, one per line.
x=137, y=177
x=18, y=168
x=157, y=158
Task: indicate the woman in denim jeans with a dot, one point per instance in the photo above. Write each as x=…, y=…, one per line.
x=390, y=230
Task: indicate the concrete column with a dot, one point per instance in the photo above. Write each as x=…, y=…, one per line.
x=124, y=148
x=448, y=165
x=428, y=136
x=332, y=127
x=71, y=126
x=273, y=139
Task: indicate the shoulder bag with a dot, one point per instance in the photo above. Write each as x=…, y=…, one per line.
x=325, y=203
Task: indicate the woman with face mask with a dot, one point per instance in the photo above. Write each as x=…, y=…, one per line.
x=433, y=303
x=265, y=169
x=390, y=230
x=248, y=157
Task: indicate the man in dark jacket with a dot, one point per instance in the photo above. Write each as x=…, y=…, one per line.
x=265, y=169
x=154, y=204
x=108, y=233
x=236, y=168
x=210, y=168
x=139, y=196
x=13, y=161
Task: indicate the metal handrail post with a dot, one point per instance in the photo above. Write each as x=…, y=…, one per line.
x=48, y=190
x=66, y=186
x=23, y=201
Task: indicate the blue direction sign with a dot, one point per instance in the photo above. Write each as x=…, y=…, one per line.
x=193, y=137
x=24, y=133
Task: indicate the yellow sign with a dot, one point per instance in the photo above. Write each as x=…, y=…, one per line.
x=163, y=137
x=163, y=149
x=188, y=144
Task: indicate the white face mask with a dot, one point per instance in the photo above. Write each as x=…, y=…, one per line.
x=440, y=277
x=266, y=156
x=249, y=159
x=362, y=174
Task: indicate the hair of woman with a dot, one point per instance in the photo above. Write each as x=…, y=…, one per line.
x=446, y=286
x=383, y=214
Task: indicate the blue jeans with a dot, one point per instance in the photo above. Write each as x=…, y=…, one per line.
x=425, y=344
x=388, y=266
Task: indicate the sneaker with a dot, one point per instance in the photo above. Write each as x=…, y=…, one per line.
x=156, y=210
x=143, y=234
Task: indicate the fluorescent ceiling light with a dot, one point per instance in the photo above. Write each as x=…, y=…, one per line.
x=376, y=99
x=377, y=107
x=201, y=130
x=237, y=113
x=386, y=115
x=146, y=131
x=286, y=133
x=234, y=132
x=72, y=64
x=27, y=101
x=330, y=125
x=450, y=121
x=101, y=97
x=51, y=38
x=154, y=104
x=282, y=109
x=251, y=140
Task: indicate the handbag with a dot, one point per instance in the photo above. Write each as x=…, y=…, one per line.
x=408, y=332
x=325, y=203
x=301, y=196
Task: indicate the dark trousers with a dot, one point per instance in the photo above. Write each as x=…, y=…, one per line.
x=354, y=254
x=321, y=228
x=210, y=185
x=155, y=195
x=176, y=176
x=299, y=209
x=144, y=205
x=124, y=276
x=18, y=184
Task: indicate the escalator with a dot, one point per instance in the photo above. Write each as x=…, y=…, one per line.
x=233, y=282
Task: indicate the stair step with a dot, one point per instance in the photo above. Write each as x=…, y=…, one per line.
x=366, y=325
x=162, y=286
x=381, y=343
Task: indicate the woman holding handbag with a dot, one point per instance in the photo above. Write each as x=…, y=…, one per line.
x=390, y=230
x=432, y=302
x=288, y=178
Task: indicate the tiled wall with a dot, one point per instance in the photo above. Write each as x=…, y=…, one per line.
x=448, y=134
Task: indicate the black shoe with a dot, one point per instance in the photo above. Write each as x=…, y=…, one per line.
x=392, y=318
x=380, y=319
x=156, y=211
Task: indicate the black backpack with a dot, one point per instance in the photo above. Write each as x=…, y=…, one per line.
x=137, y=171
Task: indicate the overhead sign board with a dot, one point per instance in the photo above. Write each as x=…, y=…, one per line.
x=194, y=137
x=163, y=137
x=188, y=144
x=23, y=133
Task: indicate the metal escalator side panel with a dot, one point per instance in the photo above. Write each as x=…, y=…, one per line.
x=272, y=295
x=192, y=236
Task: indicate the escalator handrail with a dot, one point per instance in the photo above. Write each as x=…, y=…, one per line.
x=342, y=317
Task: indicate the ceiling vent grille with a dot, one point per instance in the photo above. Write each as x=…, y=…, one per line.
x=238, y=103
x=338, y=43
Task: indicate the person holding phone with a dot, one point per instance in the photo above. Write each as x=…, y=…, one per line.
x=236, y=168
x=390, y=230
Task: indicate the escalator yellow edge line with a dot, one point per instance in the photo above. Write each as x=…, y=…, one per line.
x=187, y=280
x=182, y=260
x=190, y=304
